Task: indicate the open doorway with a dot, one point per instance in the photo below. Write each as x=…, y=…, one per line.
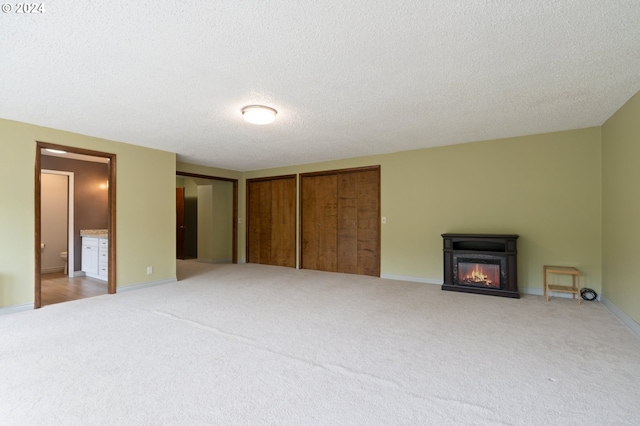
x=57, y=204
x=93, y=173
x=206, y=218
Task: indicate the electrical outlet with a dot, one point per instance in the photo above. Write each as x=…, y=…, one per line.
x=149, y=270
x=384, y=219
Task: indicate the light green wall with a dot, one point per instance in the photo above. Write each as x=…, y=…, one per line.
x=205, y=223
x=546, y=188
x=145, y=215
x=214, y=202
x=222, y=220
x=621, y=207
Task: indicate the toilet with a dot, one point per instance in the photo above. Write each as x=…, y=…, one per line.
x=63, y=256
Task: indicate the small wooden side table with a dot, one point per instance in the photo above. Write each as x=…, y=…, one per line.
x=574, y=288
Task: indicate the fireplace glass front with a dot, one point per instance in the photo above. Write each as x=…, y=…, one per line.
x=479, y=273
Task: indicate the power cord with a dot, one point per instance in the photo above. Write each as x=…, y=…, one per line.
x=588, y=294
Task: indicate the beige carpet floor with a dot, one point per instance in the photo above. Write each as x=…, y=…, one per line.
x=261, y=345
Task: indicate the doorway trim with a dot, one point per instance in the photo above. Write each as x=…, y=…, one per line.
x=234, y=242
x=70, y=216
x=111, y=219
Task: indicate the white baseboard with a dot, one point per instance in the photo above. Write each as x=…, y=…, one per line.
x=535, y=291
x=52, y=269
x=145, y=285
x=539, y=291
x=79, y=274
x=214, y=261
x=16, y=308
x=626, y=320
x=413, y=279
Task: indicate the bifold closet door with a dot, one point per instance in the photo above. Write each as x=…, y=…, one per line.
x=368, y=219
x=341, y=221
x=320, y=215
x=283, y=222
x=259, y=222
x=271, y=221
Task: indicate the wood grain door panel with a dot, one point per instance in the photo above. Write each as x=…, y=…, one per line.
x=341, y=221
x=266, y=228
x=368, y=223
x=327, y=216
x=271, y=221
x=283, y=235
x=309, y=225
x=348, y=223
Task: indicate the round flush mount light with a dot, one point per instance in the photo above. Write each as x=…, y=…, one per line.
x=259, y=114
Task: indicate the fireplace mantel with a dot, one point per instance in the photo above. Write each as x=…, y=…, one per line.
x=494, y=255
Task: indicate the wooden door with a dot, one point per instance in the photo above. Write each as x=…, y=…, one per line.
x=348, y=223
x=271, y=221
x=259, y=222
x=283, y=222
x=368, y=219
x=341, y=221
x=327, y=226
x=180, y=229
x=309, y=225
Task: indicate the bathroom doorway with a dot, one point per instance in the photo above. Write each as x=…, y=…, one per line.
x=57, y=219
x=73, y=284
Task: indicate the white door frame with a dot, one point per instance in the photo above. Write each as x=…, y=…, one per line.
x=70, y=217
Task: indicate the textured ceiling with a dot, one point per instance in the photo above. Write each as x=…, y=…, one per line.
x=348, y=78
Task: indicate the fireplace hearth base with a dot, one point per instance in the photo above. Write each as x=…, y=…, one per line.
x=481, y=264
x=480, y=290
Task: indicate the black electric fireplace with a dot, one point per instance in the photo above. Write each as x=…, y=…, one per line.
x=481, y=264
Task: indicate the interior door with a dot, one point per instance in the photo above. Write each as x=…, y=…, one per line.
x=348, y=223
x=327, y=227
x=283, y=222
x=308, y=231
x=368, y=219
x=271, y=221
x=341, y=221
x=180, y=228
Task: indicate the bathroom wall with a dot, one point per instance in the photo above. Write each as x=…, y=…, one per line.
x=54, y=203
x=90, y=195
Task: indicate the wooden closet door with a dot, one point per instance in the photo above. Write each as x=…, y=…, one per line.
x=368, y=213
x=259, y=222
x=341, y=221
x=348, y=223
x=320, y=222
x=283, y=222
x=309, y=225
x=327, y=216
x=271, y=221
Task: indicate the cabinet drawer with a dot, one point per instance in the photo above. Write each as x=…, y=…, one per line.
x=104, y=242
x=103, y=269
x=103, y=256
x=90, y=241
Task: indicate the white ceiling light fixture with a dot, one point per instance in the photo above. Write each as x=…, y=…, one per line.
x=56, y=151
x=259, y=114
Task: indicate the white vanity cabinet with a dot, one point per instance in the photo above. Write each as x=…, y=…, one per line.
x=95, y=257
x=103, y=258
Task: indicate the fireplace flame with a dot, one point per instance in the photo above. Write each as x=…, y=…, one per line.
x=477, y=276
